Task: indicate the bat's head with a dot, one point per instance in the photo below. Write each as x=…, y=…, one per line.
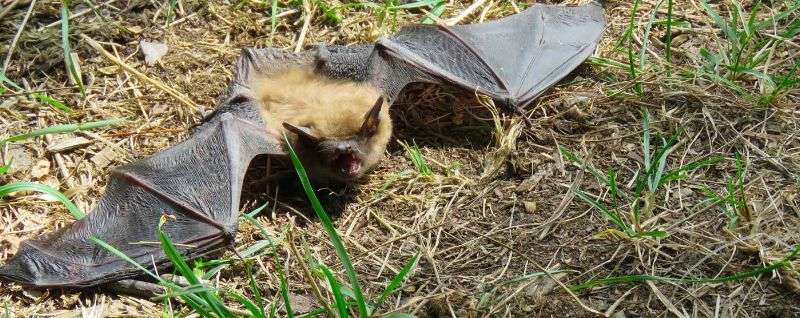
x=345, y=158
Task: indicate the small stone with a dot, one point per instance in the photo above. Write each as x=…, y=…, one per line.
x=40, y=169
x=67, y=144
x=153, y=51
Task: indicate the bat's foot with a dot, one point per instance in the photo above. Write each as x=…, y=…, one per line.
x=145, y=289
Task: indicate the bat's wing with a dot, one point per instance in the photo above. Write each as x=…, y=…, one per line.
x=197, y=181
x=512, y=60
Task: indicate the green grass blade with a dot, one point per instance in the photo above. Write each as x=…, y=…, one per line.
x=646, y=36
x=273, y=19
x=398, y=279
x=251, y=307
x=724, y=25
x=417, y=159
x=602, y=61
x=122, y=255
x=6, y=189
x=435, y=13
x=627, y=35
x=653, y=233
x=661, y=163
x=646, y=140
x=180, y=264
x=610, y=215
x=668, y=40
x=680, y=173
x=42, y=98
x=259, y=298
x=284, y=288
x=613, y=188
x=72, y=67
x=6, y=167
x=330, y=229
x=580, y=162
x=417, y=4
x=188, y=295
x=341, y=304
x=66, y=128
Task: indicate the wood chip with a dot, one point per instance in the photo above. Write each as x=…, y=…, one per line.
x=67, y=144
x=105, y=157
x=40, y=169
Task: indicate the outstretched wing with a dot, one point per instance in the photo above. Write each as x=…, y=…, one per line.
x=197, y=181
x=512, y=60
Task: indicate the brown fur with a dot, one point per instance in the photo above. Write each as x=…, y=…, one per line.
x=330, y=109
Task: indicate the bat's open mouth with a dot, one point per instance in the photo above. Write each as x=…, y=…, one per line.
x=349, y=164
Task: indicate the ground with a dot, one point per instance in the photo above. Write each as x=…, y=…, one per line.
x=506, y=199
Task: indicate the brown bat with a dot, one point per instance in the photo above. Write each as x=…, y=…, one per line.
x=331, y=99
x=339, y=128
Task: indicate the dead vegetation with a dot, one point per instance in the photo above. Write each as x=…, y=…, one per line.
x=488, y=201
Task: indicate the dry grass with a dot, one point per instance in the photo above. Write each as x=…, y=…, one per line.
x=497, y=208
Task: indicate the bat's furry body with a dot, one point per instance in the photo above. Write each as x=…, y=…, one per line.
x=333, y=112
x=199, y=180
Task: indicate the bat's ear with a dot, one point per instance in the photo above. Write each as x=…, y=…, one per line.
x=302, y=132
x=372, y=119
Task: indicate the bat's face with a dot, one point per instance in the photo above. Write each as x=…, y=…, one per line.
x=346, y=158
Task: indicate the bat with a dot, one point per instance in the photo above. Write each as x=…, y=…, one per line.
x=340, y=136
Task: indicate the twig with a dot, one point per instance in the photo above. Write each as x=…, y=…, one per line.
x=306, y=23
x=469, y=10
x=16, y=36
x=82, y=13
x=180, y=97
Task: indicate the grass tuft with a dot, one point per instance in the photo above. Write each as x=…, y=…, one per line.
x=413, y=152
x=69, y=58
x=652, y=178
